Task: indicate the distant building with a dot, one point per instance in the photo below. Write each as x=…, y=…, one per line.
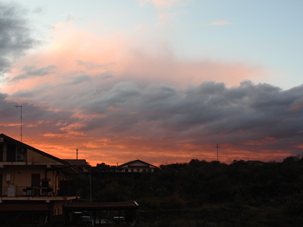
x=80, y=164
x=137, y=166
x=255, y=162
x=34, y=185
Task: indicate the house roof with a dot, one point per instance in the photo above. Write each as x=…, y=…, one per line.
x=131, y=162
x=24, y=207
x=101, y=205
x=21, y=144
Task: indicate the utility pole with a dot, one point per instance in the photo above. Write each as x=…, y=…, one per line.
x=217, y=152
x=77, y=153
x=90, y=184
x=21, y=120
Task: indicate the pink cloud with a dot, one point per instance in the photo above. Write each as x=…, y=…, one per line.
x=182, y=73
x=217, y=23
x=69, y=46
x=88, y=67
x=75, y=53
x=162, y=3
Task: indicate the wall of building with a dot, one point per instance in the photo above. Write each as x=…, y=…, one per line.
x=138, y=164
x=131, y=169
x=21, y=177
x=57, y=208
x=34, y=157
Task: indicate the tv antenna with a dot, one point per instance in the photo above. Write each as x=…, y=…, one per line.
x=21, y=119
x=217, y=152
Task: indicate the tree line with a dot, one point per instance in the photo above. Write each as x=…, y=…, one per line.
x=192, y=185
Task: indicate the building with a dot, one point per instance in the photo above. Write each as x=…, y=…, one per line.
x=137, y=166
x=80, y=164
x=255, y=162
x=33, y=184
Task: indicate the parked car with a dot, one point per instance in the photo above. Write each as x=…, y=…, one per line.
x=106, y=221
x=118, y=219
x=85, y=221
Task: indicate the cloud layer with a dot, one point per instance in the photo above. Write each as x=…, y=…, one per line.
x=165, y=124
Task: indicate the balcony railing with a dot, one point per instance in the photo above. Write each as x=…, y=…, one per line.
x=14, y=190
x=30, y=191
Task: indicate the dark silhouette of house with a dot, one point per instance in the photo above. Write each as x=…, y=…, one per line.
x=137, y=166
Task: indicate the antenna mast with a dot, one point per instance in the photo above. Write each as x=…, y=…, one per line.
x=21, y=120
x=217, y=152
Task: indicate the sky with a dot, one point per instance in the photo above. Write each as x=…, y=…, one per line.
x=163, y=81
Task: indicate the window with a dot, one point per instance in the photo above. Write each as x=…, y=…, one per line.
x=11, y=152
x=1, y=152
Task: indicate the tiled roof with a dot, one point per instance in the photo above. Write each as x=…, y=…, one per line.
x=24, y=207
x=101, y=205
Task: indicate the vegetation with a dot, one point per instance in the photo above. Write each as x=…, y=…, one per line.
x=201, y=193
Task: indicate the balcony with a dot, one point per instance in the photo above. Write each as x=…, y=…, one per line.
x=35, y=193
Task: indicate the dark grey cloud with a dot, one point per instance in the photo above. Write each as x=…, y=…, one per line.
x=207, y=113
x=15, y=37
x=33, y=71
x=105, y=75
x=78, y=80
x=32, y=94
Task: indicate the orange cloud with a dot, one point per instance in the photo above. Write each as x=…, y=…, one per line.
x=10, y=125
x=97, y=150
x=296, y=108
x=300, y=146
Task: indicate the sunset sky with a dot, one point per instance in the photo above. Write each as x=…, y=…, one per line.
x=163, y=81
